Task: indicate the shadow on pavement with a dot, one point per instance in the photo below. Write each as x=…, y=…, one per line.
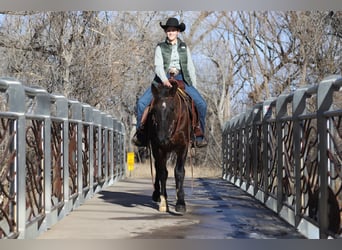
x=127, y=199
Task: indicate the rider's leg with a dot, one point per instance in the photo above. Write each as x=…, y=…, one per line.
x=143, y=102
x=201, y=106
x=139, y=138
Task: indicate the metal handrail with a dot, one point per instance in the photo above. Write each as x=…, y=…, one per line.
x=292, y=161
x=51, y=163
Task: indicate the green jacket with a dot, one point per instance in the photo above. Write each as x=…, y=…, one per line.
x=166, y=49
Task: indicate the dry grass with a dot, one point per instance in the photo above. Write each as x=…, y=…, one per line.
x=143, y=170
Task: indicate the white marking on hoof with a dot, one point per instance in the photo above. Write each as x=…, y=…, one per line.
x=163, y=207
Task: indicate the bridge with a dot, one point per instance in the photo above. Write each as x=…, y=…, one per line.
x=216, y=209
x=280, y=170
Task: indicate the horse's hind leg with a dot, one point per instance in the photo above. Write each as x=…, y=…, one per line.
x=156, y=192
x=179, y=176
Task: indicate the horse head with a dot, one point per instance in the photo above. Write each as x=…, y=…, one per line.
x=160, y=91
x=163, y=113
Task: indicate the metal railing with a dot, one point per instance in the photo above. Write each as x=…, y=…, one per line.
x=54, y=154
x=287, y=153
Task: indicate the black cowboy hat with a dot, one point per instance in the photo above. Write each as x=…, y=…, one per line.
x=173, y=22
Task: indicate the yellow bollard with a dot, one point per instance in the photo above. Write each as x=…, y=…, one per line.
x=130, y=162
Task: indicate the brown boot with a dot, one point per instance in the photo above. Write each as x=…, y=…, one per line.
x=140, y=138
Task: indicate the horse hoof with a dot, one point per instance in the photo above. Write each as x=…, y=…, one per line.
x=181, y=208
x=163, y=207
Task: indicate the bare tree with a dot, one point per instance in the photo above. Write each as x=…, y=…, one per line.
x=285, y=49
x=106, y=58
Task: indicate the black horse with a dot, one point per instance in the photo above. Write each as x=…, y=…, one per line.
x=170, y=130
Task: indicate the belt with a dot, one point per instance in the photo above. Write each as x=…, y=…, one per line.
x=174, y=71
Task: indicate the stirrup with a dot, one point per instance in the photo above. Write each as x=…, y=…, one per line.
x=199, y=143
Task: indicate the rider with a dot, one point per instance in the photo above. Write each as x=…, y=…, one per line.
x=172, y=56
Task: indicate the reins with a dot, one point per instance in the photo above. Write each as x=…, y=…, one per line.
x=151, y=165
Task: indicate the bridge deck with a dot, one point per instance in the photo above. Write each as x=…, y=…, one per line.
x=216, y=210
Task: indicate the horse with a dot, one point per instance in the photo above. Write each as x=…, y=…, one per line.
x=169, y=130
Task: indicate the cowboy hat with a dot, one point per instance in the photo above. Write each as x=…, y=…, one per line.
x=173, y=22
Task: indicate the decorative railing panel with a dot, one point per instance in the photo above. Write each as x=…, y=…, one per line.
x=8, y=154
x=57, y=191
x=35, y=171
x=54, y=154
x=287, y=152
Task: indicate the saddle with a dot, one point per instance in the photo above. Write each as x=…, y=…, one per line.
x=192, y=109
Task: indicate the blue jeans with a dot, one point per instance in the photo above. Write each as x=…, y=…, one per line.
x=200, y=103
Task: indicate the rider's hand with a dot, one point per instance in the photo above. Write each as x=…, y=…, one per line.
x=167, y=84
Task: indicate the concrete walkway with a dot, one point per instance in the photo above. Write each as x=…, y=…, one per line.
x=215, y=210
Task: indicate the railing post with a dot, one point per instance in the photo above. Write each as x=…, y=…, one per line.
x=76, y=117
x=16, y=104
x=122, y=148
x=324, y=100
x=243, y=144
x=62, y=113
x=281, y=108
x=267, y=108
x=249, y=142
x=237, y=151
x=224, y=146
x=42, y=109
x=232, y=153
x=257, y=118
x=281, y=111
x=97, y=123
x=105, y=127
x=229, y=149
x=89, y=120
x=111, y=149
x=298, y=107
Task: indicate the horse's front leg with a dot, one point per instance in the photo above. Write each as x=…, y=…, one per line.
x=156, y=192
x=179, y=176
x=163, y=174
